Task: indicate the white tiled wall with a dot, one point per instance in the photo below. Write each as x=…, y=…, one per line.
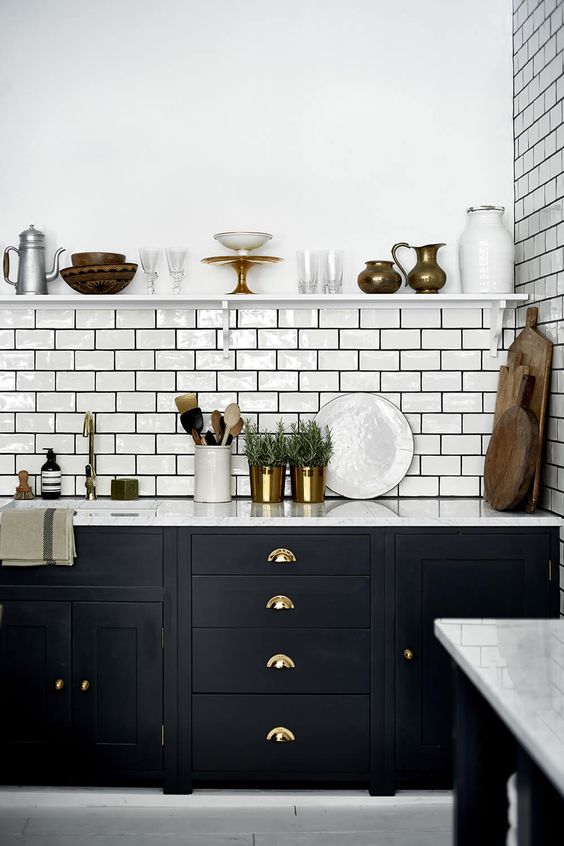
x=539, y=200
x=127, y=366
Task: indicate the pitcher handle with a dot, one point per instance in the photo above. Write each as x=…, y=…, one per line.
x=7, y=265
x=401, y=267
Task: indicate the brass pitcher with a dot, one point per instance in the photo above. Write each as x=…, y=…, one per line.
x=426, y=277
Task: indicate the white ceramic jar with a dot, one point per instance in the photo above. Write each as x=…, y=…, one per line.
x=486, y=253
x=212, y=474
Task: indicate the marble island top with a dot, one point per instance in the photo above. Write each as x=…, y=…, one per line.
x=518, y=667
x=423, y=512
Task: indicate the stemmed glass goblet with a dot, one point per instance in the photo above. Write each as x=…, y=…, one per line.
x=149, y=259
x=176, y=256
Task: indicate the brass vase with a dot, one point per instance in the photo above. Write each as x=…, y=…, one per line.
x=308, y=483
x=267, y=483
x=379, y=277
x=426, y=277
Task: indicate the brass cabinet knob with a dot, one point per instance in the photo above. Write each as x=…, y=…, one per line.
x=280, y=735
x=280, y=603
x=280, y=662
x=282, y=556
x=59, y=684
x=408, y=654
x=84, y=685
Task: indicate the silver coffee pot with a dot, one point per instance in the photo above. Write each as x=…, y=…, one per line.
x=32, y=277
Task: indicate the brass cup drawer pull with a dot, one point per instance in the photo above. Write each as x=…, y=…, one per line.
x=280, y=603
x=280, y=662
x=84, y=685
x=280, y=735
x=59, y=684
x=408, y=654
x=282, y=556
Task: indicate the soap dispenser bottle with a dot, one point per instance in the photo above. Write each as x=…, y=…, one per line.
x=50, y=477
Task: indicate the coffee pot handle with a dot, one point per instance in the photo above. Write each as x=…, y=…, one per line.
x=7, y=265
x=394, y=249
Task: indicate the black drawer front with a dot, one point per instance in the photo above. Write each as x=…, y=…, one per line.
x=325, y=661
x=243, y=554
x=106, y=557
x=331, y=734
x=240, y=601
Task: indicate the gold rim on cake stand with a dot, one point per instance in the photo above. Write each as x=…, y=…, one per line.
x=241, y=264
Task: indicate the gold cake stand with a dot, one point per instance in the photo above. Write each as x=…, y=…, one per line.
x=241, y=265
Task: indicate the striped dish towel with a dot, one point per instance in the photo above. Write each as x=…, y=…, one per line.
x=37, y=537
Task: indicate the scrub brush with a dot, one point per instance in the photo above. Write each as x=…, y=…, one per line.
x=23, y=490
x=186, y=402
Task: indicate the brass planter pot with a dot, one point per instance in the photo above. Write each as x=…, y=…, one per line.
x=267, y=483
x=308, y=483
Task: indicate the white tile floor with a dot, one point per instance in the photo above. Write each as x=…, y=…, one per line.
x=222, y=818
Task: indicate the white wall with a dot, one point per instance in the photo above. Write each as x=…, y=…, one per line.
x=329, y=123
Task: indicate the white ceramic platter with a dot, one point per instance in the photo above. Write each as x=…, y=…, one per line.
x=373, y=445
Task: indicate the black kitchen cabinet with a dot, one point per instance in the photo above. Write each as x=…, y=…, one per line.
x=239, y=656
x=117, y=688
x=35, y=700
x=458, y=575
x=82, y=663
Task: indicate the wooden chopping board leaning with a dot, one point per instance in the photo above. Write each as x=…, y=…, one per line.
x=512, y=452
x=530, y=354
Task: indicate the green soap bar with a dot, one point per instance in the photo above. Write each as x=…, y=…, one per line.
x=125, y=489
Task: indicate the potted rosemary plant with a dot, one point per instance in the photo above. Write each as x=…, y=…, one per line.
x=309, y=452
x=267, y=457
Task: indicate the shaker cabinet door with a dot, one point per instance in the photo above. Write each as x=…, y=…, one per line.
x=117, y=689
x=35, y=691
x=459, y=575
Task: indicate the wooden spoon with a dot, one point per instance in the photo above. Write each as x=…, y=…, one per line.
x=216, y=425
x=231, y=416
x=197, y=438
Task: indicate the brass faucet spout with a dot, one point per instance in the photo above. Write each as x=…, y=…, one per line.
x=88, y=430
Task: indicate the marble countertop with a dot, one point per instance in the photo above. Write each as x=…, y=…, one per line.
x=518, y=666
x=453, y=512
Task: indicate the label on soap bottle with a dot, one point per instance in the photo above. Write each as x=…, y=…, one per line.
x=51, y=482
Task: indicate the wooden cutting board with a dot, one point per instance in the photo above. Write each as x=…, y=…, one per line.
x=512, y=452
x=529, y=354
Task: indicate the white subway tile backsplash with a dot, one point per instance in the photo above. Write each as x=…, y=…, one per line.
x=278, y=380
x=330, y=360
x=34, y=380
x=367, y=380
x=281, y=339
x=382, y=318
x=319, y=339
x=128, y=366
x=360, y=339
x=321, y=380
x=33, y=339
x=53, y=359
x=138, y=360
x=74, y=339
x=190, y=339
x=93, y=360
x=56, y=319
x=16, y=318
x=115, y=339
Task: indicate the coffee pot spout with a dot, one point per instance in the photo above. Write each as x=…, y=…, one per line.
x=54, y=272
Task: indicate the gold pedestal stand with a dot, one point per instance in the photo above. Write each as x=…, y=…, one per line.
x=241, y=265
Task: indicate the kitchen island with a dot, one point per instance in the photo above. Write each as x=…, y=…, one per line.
x=243, y=644
x=509, y=677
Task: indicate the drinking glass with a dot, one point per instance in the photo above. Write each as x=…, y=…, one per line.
x=307, y=261
x=149, y=259
x=333, y=272
x=175, y=257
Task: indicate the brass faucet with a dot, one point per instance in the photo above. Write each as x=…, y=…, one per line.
x=88, y=430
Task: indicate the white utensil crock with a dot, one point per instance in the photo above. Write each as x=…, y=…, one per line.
x=486, y=253
x=212, y=474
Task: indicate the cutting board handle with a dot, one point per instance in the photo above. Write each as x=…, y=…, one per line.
x=526, y=391
x=532, y=316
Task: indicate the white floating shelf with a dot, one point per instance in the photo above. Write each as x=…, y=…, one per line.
x=496, y=303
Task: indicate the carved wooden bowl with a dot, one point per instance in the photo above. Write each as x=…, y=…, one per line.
x=99, y=279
